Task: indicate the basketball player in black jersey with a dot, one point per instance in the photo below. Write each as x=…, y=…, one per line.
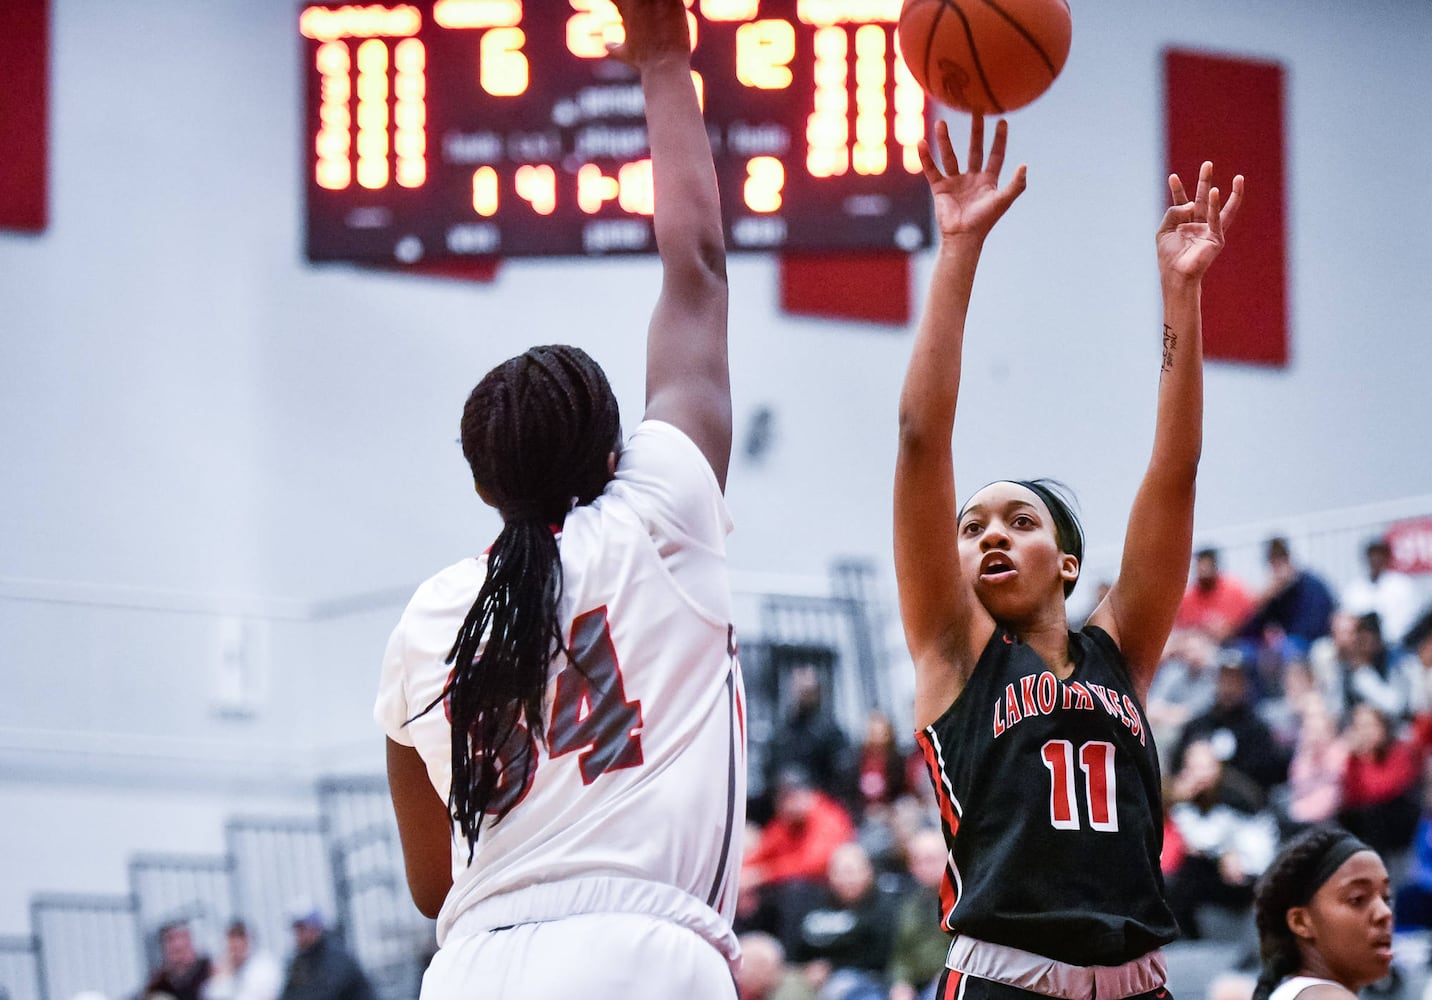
x=1035, y=736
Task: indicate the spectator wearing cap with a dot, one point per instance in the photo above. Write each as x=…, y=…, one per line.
x=783, y=872
x=321, y=969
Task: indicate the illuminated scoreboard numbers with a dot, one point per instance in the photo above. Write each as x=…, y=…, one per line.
x=410, y=114
x=828, y=128
x=387, y=128
x=729, y=10
x=536, y=184
x=485, y=195
x=461, y=127
x=372, y=114
x=334, y=142
x=764, y=50
x=909, y=115
x=765, y=179
x=869, y=153
x=593, y=25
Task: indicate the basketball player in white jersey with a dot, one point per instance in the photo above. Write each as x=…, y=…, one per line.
x=566, y=749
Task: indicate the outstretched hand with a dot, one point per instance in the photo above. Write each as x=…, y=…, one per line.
x=1191, y=234
x=653, y=29
x=969, y=203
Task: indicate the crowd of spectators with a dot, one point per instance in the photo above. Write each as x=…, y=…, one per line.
x=319, y=969
x=1299, y=704
x=1303, y=702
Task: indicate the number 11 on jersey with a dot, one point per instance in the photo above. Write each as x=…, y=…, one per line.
x=1096, y=760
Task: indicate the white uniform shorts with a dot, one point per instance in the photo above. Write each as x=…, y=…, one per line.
x=596, y=956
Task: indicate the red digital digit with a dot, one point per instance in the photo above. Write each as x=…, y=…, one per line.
x=590, y=711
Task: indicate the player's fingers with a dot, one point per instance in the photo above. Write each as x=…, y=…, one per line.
x=1016, y=184
x=1200, y=197
x=927, y=162
x=1215, y=216
x=976, y=157
x=1235, y=201
x=1175, y=187
x=995, y=163
x=948, y=160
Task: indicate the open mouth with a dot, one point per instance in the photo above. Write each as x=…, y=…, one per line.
x=996, y=566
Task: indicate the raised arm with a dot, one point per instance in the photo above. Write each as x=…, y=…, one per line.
x=1140, y=607
x=687, y=378
x=945, y=625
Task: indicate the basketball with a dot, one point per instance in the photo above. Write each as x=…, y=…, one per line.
x=985, y=56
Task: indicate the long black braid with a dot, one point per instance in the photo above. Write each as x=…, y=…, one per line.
x=537, y=432
x=1292, y=880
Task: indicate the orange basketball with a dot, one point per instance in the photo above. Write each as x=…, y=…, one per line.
x=985, y=56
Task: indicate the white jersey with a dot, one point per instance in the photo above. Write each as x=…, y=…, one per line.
x=1289, y=988
x=637, y=801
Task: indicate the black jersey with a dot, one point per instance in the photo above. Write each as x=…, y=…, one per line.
x=1050, y=801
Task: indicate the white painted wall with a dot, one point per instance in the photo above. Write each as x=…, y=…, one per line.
x=198, y=427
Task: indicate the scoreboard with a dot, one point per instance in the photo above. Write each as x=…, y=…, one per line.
x=452, y=129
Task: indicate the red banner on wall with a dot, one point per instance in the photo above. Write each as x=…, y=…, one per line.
x=1411, y=543
x=24, y=113
x=1230, y=111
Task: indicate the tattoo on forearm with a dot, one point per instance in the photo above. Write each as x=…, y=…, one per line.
x=1170, y=341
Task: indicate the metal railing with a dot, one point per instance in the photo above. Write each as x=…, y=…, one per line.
x=87, y=944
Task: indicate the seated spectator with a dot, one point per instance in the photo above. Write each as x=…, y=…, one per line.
x=784, y=871
x=1284, y=712
x=182, y=971
x=1294, y=609
x=809, y=738
x=1418, y=644
x=879, y=767
x=1330, y=659
x=1382, y=786
x=1225, y=840
x=1183, y=687
x=764, y=973
x=846, y=941
x=1239, y=738
x=918, y=956
x=1378, y=675
x=321, y=969
x=246, y=973
x=1313, y=793
x=1215, y=603
x=1391, y=594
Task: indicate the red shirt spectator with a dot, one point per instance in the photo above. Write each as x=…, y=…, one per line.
x=798, y=841
x=1215, y=602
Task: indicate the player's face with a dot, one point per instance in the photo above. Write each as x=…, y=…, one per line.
x=1010, y=553
x=1348, y=922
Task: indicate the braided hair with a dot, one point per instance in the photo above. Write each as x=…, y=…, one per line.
x=1295, y=876
x=537, y=432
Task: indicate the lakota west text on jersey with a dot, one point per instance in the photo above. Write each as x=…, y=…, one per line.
x=1044, y=694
